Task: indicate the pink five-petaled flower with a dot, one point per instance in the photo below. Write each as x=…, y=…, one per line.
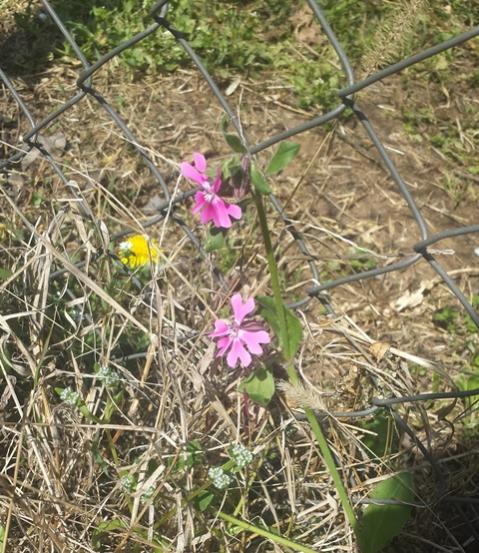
x=239, y=338
x=209, y=203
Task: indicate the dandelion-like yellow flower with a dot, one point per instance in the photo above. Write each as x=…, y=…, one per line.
x=138, y=251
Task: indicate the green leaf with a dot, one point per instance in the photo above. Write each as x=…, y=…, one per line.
x=259, y=386
x=111, y=407
x=215, y=242
x=37, y=199
x=204, y=499
x=109, y=525
x=384, y=440
x=232, y=140
x=468, y=382
x=231, y=168
x=234, y=143
x=104, y=528
x=381, y=523
x=285, y=153
x=5, y=273
x=259, y=181
x=294, y=332
x=193, y=453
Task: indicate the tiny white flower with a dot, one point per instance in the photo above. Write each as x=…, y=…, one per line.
x=128, y=482
x=70, y=397
x=219, y=477
x=108, y=376
x=241, y=455
x=147, y=495
x=125, y=246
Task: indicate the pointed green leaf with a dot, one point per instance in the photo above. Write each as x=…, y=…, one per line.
x=204, y=499
x=294, y=335
x=285, y=153
x=259, y=386
x=225, y=121
x=234, y=143
x=294, y=332
x=231, y=168
x=381, y=523
x=232, y=140
x=259, y=181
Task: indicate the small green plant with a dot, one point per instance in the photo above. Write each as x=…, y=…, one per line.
x=357, y=260
x=380, y=523
x=464, y=332
x=231, y=36
x=360, y=260
x=467, y=382
x=447, y=318
x=454, y=320
x=381, y=439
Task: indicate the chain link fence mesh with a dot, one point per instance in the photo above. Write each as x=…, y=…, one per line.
x=422, y=250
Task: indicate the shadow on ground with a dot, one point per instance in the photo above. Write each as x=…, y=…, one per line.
x=450, y=522
x=31, y=40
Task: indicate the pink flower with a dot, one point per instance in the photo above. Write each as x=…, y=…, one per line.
x=239, y=338
x=209, y=203
x=197, y=171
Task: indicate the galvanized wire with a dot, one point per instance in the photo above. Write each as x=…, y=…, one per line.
x=345, y=99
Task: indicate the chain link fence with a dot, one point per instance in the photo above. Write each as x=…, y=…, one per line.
x=422, y=250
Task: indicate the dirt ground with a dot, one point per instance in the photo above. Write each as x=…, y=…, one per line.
x=344, y=201
x=339, y=196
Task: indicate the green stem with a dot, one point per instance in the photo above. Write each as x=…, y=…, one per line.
x=292, y=373
x=273, y=268
x=280, y=540
x=333, y=471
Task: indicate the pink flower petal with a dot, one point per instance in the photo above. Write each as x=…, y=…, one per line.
x=221, y=329
x=223, y=344
x=240, y=309
x=208, y=213
x=217, y=183
x=200, y=162
x=200, y=202
x=234, y=211
x=189, y=172
x=253, y=339
x=238, y=351
x=221, y=219
x=239, y=340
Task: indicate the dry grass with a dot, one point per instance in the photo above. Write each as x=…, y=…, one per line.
x=119, y=462
x=393, y=34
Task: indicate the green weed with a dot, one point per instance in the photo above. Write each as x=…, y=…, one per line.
x=464, y=331
x=232, y=36
x=357, y=261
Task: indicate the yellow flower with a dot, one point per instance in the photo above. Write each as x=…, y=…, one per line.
x=139, y=250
